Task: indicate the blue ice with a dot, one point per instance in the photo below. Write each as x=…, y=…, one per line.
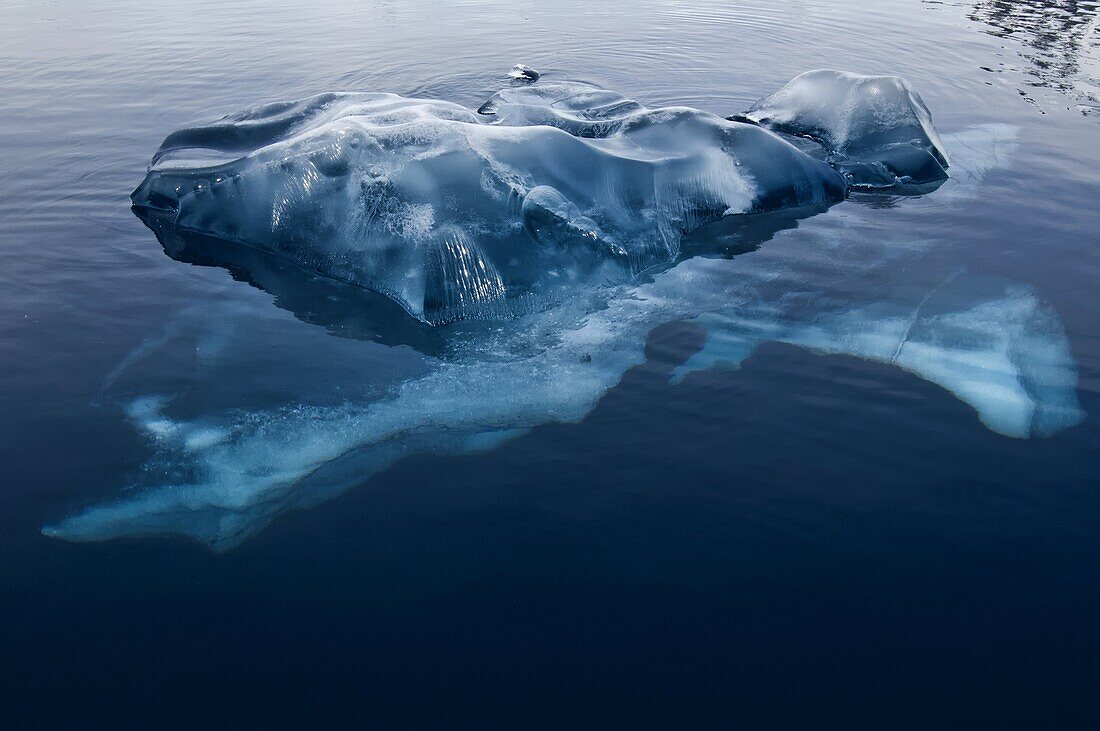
x=569, y=216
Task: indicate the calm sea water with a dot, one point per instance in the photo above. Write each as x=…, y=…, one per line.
x=805, y=539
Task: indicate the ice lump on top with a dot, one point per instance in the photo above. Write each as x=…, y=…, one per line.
x=875, y=129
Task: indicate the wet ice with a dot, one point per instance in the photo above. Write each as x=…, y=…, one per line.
x=456, y=214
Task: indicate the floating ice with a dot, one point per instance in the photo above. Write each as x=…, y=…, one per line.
x=523, y=72
x=876, y=129
x=455, y=214
x=538, y=192
x=1006, y=356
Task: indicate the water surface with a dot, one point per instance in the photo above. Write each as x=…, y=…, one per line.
x=805, y=537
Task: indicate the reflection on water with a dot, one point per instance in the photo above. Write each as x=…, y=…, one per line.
x=1060, y=38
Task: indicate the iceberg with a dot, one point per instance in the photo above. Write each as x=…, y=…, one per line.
x=457, y=214
x=574, y=221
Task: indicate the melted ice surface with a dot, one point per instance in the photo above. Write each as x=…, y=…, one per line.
x=992, y=343
x=456, y=214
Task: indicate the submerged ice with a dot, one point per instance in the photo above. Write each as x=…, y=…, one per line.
x=1004, y=353
x=545, y=205
x=523, y=72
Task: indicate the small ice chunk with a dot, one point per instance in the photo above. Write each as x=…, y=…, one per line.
x=523, y=72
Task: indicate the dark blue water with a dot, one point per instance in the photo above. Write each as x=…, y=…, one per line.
x=810, y=538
